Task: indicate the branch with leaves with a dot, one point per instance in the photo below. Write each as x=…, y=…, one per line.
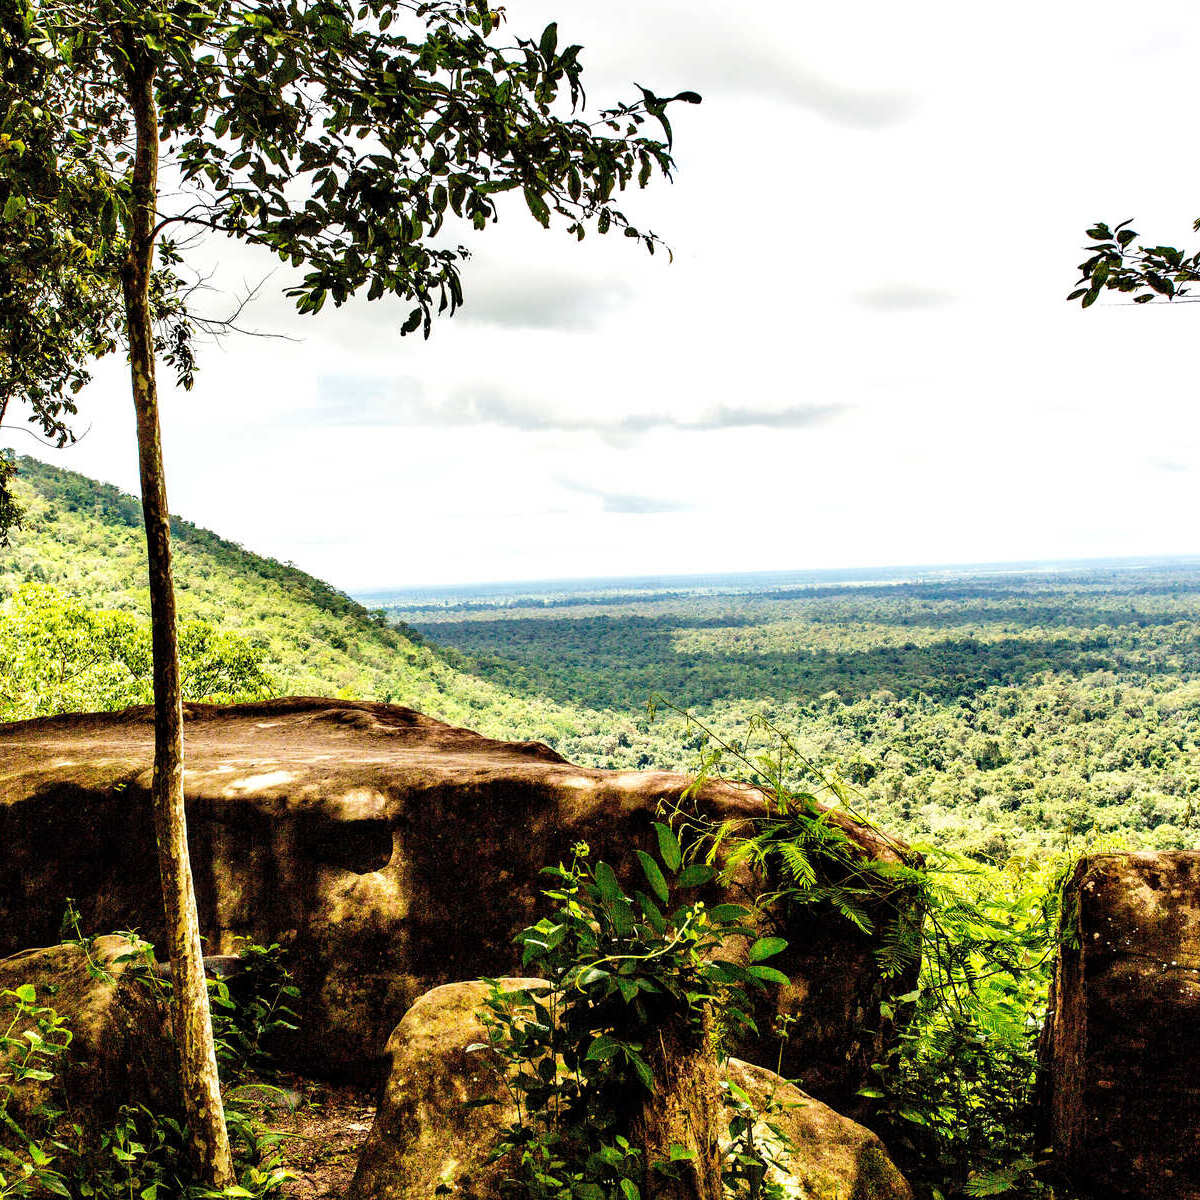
x=1117, y=262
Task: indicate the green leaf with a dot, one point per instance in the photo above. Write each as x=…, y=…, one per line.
x=728, y=914
x=25, y=993
x=549, y=42
x=766, y=948
x=538, y=207
x=768, y=974
x=668, y=847
x=696, y=875
x=653, y=876
x=602, y=1049
x=606, y=881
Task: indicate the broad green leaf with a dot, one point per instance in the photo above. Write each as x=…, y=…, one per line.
x=606, y=881
x=766, y=948
x=728, y=914
x=768, y=974
x=653, y=876
x=668, y=847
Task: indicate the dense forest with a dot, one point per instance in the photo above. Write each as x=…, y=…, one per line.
x=996, y=713
x=75, y=633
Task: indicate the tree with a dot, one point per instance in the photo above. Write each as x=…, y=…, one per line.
x=337, y=135
x=1116, y=262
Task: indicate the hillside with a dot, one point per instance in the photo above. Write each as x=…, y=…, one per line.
x=997, y=715
x=84, y=539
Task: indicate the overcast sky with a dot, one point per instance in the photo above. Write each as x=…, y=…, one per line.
x=862, y=354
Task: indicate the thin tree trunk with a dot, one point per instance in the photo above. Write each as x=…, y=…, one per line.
x=189, y=1006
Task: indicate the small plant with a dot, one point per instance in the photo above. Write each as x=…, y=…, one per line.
x=251, y=1008
x=797, y=844
x=31, y=1045
x=757, y=1147
x=627, y=975
x=955, y=1097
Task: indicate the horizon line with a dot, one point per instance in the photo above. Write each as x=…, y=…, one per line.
x=828, y=574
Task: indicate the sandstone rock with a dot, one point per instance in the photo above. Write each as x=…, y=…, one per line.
x=389, y=851
x=1122, y=1042
x=120, y=1052
x=425, y=1138
x=831, y=1157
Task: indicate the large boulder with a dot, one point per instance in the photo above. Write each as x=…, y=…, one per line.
x=120, y=1050
x=390, y=852
x=1120, y=1048
x=430, y=1140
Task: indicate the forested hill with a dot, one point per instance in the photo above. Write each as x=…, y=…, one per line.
x=75, y=574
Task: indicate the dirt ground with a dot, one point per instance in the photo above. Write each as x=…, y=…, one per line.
x=322, y=1135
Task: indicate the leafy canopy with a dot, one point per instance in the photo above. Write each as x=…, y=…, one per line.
x=339, y=136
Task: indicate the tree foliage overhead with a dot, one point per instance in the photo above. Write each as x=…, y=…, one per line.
x=1118, y=262
x=339, y=136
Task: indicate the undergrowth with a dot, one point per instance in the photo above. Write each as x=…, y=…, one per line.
x=969, y=950
x=144, y=1155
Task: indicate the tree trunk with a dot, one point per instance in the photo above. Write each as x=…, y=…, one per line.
x=189, y=999
x=685, y=1110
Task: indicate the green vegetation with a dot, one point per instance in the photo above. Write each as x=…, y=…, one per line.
x=48, y=1153
x=626, y=960
x=633, y=979
x=291, y=633
x=998, y=714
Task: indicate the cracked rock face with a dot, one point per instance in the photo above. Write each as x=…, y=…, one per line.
x=1122, y=1042
x=388, y=851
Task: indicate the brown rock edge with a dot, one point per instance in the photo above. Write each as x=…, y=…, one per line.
x=1121, y=1093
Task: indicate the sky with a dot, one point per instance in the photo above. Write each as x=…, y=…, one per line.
x=862, y=354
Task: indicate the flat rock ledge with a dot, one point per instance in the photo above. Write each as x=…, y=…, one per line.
x=387, y=851
x=429, y=1141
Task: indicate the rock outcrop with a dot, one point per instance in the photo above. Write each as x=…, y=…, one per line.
x=428, y=1139
x=1122, y=1042
x=390, y=853
x=120, y=1051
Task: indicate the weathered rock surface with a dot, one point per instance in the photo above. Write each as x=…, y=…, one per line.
x=1122, y=1043
x=424, y=1137
x=830, y=1155
x=391, y=852
x=120, y=1052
